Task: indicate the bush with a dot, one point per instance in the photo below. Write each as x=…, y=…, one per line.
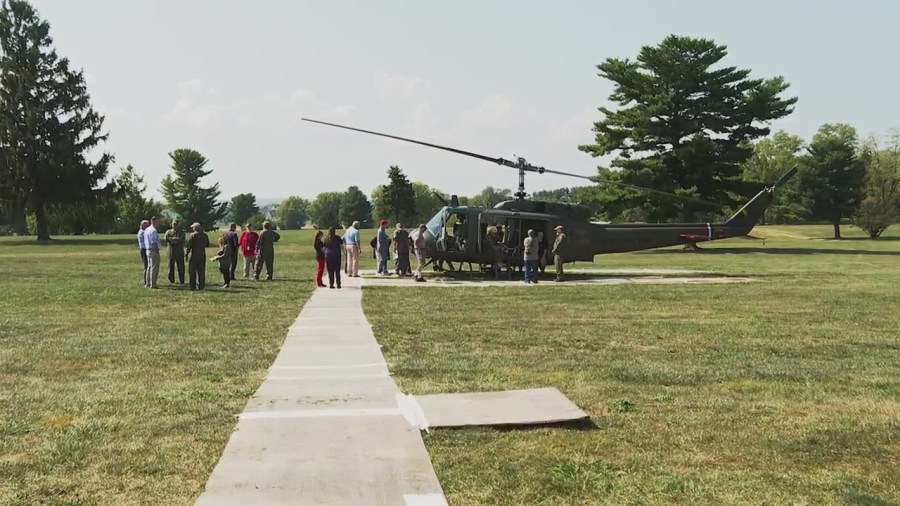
x=875, y=216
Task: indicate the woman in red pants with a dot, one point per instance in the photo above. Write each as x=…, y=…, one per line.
x=320, y=258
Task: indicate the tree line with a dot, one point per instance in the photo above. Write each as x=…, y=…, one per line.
x=684, y=124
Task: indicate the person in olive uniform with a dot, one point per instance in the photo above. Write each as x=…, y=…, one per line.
x=266, y=248
x=175, y=242
x=231, y=239
x=402, y=247
x=195, y=248
x=559, y=251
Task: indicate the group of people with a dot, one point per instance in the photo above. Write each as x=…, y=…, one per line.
x=332, y=249
x=258, y=250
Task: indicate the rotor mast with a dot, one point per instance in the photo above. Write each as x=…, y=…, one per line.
x=522, y=166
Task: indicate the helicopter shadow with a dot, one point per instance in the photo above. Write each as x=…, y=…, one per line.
x=776, y=251
x=581, y=425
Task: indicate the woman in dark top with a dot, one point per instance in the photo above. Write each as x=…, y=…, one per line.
x=333, y=247
x=320, y=258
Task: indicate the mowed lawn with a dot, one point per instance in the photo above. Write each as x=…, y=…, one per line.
x=781, y=391
x=113, y=394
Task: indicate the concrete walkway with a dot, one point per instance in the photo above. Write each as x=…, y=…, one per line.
x=325, y=428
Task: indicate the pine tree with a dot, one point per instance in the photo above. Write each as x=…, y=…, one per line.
x=47, y=124
x=833, y=175
x=398, y=200
x=242, y=207
x=356, y=207
x=184, y=195
x=684, y=125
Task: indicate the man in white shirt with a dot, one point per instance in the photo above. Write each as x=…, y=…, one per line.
x=419, y=246
x=151, y=240
x=351, y=242
x=142, y=246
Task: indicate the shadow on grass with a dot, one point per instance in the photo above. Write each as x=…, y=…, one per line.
x=861, y=498
x=777, y=251
x=890, y=238
x=68, y=241
x=582, y=276
x=584, y=424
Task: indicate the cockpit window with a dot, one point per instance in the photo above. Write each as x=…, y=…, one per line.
x=436, y=224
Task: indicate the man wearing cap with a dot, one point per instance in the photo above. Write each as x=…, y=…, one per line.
x=559, y=251
x=175, y=243
x=351, y=242
x=142, y=246
x=382, y=245
x=195, y=247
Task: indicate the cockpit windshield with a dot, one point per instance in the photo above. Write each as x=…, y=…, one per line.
x=437, y=223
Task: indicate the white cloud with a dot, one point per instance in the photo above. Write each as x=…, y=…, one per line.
x=203, y=107
x=396, y=87
x=495, y=112
x=573, y=130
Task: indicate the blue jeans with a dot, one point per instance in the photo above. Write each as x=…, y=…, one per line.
x=383, y=261
x=531, y=270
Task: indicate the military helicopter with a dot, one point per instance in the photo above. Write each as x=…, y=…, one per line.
x=459, y=233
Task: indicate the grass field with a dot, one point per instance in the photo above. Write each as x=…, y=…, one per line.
x=782, y=391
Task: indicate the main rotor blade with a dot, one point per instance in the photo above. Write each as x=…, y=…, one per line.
x=626, y=185
x=507, y=163
x=498, y=161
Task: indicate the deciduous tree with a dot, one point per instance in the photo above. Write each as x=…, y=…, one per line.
x=490, y=197
x=880, y=207
x=293, y=212
x=132, y=205
x=771, y=158
x=325, y=210
x=683, y=125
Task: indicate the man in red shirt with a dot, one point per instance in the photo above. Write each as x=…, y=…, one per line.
x=248, y=249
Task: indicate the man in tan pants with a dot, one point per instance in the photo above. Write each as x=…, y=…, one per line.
x=351, y=242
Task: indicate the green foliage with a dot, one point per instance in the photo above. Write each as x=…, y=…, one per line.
x=292, y=213
x=595, y=197
x=131, y=204
x=395, y=202
x=771, y=158
x=242, y=207
x=325, y=210
x=47, y=124
x=683, y=125
x=355, y=206
x=880, y=206
x=184, y=195
x=833, y=174
x=490, y=196
x=257, y=221
x=427, y=204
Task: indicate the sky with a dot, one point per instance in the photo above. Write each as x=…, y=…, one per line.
x=232, y=79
